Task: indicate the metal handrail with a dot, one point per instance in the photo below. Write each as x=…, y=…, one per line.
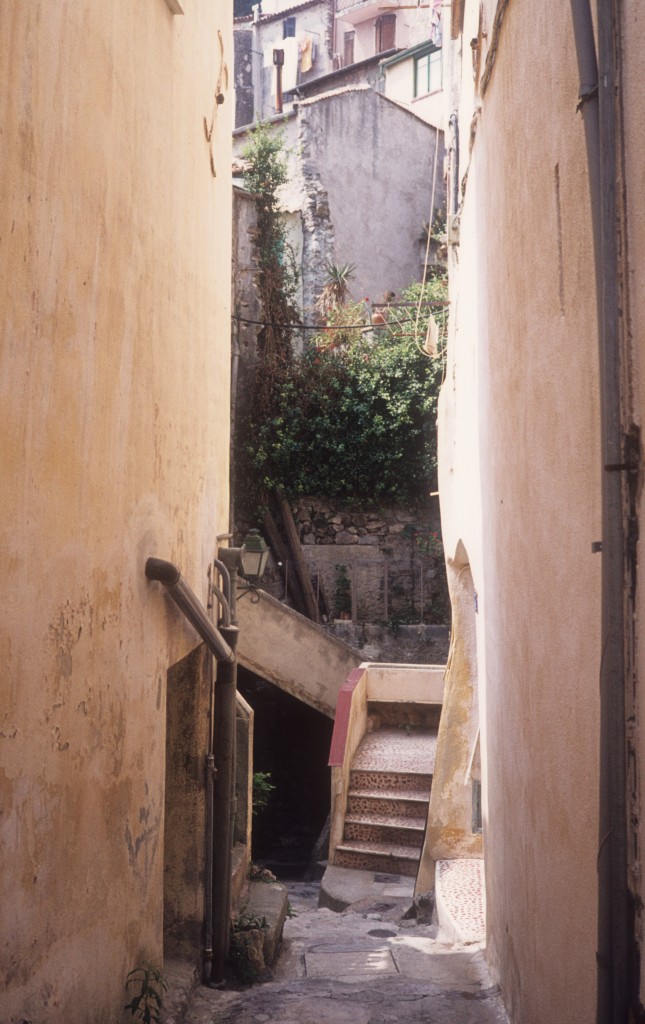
x=160, y=571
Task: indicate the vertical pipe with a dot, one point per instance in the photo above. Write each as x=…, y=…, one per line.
x=597, y=104
x=614, y=956
x=224, y=750
x=453, y=189
x=207, y=963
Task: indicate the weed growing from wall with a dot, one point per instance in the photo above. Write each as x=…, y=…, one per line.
x=147, y=1001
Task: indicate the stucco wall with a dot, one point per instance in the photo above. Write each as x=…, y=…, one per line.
x=519, y=483
x=377, y=215
x=114, y=375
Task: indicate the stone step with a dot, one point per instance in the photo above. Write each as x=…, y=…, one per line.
x=379, y=857
x=397, y=751
x=404, y=822
x=393, y=802
x=412, y=784
x=383, y=713
x=384, y=832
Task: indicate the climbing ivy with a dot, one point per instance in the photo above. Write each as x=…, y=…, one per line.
x=277, y=277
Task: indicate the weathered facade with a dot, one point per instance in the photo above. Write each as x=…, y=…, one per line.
x=377, y=226
x=524, y=473
x=302, y=33
x=114, y=374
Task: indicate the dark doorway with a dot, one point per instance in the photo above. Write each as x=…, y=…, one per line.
x=291, y=744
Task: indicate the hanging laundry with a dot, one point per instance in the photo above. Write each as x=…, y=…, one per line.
x=290, y=70
x=306, y=54
x=435, y=21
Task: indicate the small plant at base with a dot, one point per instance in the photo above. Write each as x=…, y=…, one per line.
x=262, y=790
x=248, y=923
x=146, y=1005
x=245, y=951
x=260, y=874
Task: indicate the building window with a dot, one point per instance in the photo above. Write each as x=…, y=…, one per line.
x=385, y=32
x=288, y=28
x=427, y=73
x=348, y=48
x=477, y=806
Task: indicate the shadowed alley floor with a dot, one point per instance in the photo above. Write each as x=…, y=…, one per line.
x=366, y=965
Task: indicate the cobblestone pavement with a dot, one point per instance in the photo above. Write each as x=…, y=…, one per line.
x=364, y=966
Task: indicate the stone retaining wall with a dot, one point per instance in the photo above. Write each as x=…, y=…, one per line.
x=380, y=565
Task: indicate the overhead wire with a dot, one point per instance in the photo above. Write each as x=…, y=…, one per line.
x=332, y=327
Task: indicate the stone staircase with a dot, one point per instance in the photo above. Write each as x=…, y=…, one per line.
x=390, y=782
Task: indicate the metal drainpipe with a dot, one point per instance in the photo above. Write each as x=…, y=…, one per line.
x=223, y=809
x=454, y=165
x=223, y=597
x=597, y=103
x=224, y=745
x=207, y=961
x=219, y=805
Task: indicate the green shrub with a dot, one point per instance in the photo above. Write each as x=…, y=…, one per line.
x=356, y=418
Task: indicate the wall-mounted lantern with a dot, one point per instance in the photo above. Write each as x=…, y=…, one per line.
x=254, y=555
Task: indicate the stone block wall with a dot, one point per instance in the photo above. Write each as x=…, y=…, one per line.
x=376, y=565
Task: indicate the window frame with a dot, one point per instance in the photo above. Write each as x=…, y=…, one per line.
x=381, y=26
x=419, y=59
x=349, y=40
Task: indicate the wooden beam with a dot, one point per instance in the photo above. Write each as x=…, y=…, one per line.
x=293, y=542
x=282, y=554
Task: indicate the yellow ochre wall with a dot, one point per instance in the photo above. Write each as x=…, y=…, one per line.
x=114, y=379
x=520, y=496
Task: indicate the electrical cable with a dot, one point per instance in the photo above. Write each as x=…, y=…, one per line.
x=337, y=327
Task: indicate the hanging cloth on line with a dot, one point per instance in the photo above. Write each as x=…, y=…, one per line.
x=306, y=54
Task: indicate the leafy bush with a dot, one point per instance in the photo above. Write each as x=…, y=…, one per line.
x=357, y=417
x=262, y=790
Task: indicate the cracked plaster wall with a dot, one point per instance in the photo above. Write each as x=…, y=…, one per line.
x=115, y=264
x=366, y=167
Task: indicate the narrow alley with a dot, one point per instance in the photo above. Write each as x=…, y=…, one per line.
x=369, y=964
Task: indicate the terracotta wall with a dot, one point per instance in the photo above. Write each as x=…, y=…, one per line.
x=114, y=377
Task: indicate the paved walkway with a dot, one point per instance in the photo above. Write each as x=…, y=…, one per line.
x=366, y=965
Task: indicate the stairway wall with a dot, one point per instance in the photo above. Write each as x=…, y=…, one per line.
x=291, y=652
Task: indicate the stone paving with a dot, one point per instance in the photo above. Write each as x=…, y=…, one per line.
x=367, y=965
x=461, y=900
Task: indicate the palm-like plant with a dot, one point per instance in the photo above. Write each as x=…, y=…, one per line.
x=335, y=291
